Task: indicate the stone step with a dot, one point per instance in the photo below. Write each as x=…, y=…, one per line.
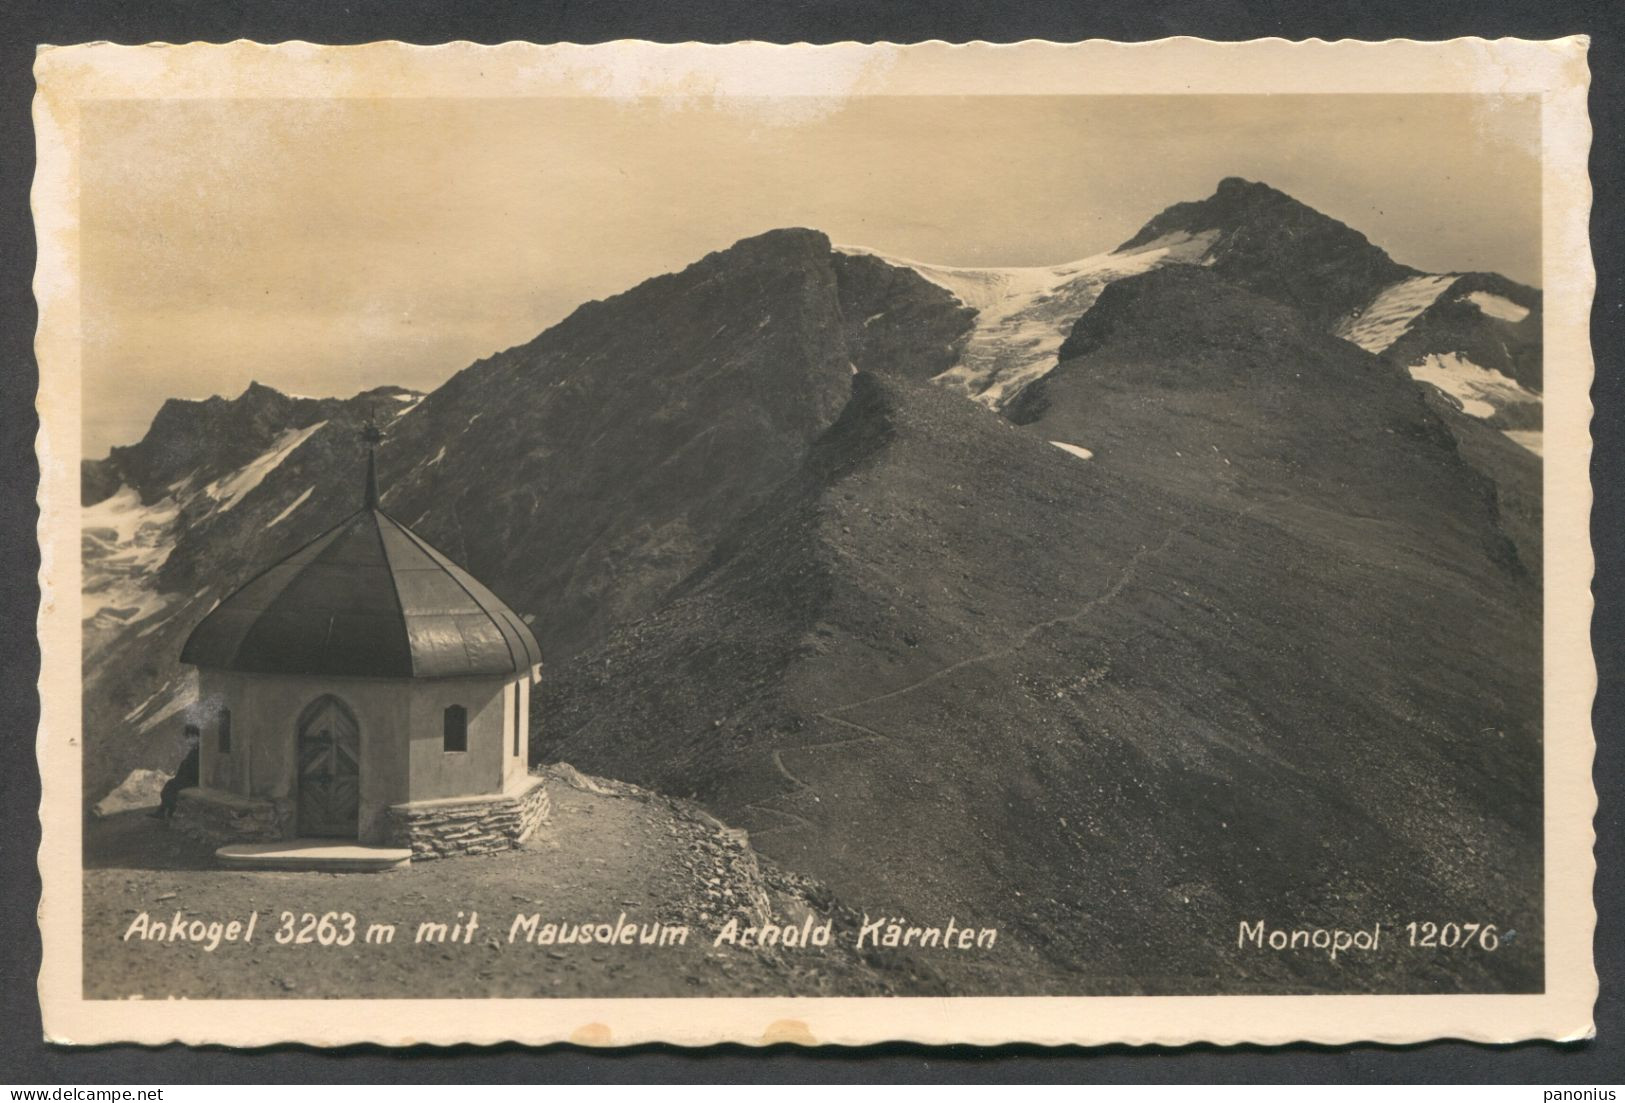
x=314, y=855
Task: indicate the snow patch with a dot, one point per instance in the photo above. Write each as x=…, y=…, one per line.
x=228, y=490
x=123, y=543
x=1081, y=453
x=297, y=502
x=130, y=716
x=182, y=696
x=1391, y=313
x=1497, y=307
x=1024, y=314
x=154, y=624
x=438, y=456
x=141, y=789
x=1525, y=438
x=126, y=517
x=1480, y=391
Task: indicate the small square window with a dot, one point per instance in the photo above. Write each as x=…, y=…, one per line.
x=454, y=734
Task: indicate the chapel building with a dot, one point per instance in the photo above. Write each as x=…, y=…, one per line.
x=365, y=688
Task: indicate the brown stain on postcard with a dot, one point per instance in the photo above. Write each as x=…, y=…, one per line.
x=793, y=1031
x=593, y=1034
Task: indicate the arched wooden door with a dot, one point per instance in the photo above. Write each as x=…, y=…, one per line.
x=329, y=770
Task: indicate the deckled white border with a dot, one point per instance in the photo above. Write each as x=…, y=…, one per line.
x=1554, y=70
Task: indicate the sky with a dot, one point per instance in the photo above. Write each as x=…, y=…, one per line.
x=326, y=246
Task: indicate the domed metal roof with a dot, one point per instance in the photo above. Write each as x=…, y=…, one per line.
x=367, y=598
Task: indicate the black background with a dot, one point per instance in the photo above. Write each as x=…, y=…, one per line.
x=25, y=1059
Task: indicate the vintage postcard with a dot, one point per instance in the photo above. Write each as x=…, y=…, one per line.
x=758, y=543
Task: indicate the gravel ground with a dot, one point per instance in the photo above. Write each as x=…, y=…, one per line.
x=609, y=851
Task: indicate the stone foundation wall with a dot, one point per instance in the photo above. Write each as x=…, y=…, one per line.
x=477, y=825
x=535, y=806
x=219, y=818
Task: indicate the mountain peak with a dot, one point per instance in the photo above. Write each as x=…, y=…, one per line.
x=256, y=389
x=772, y=246
x=1236, y=204
x=1281, y=247
x=1239, y=185
x=204, y=438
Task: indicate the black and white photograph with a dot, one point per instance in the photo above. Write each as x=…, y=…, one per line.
x=839, y=530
